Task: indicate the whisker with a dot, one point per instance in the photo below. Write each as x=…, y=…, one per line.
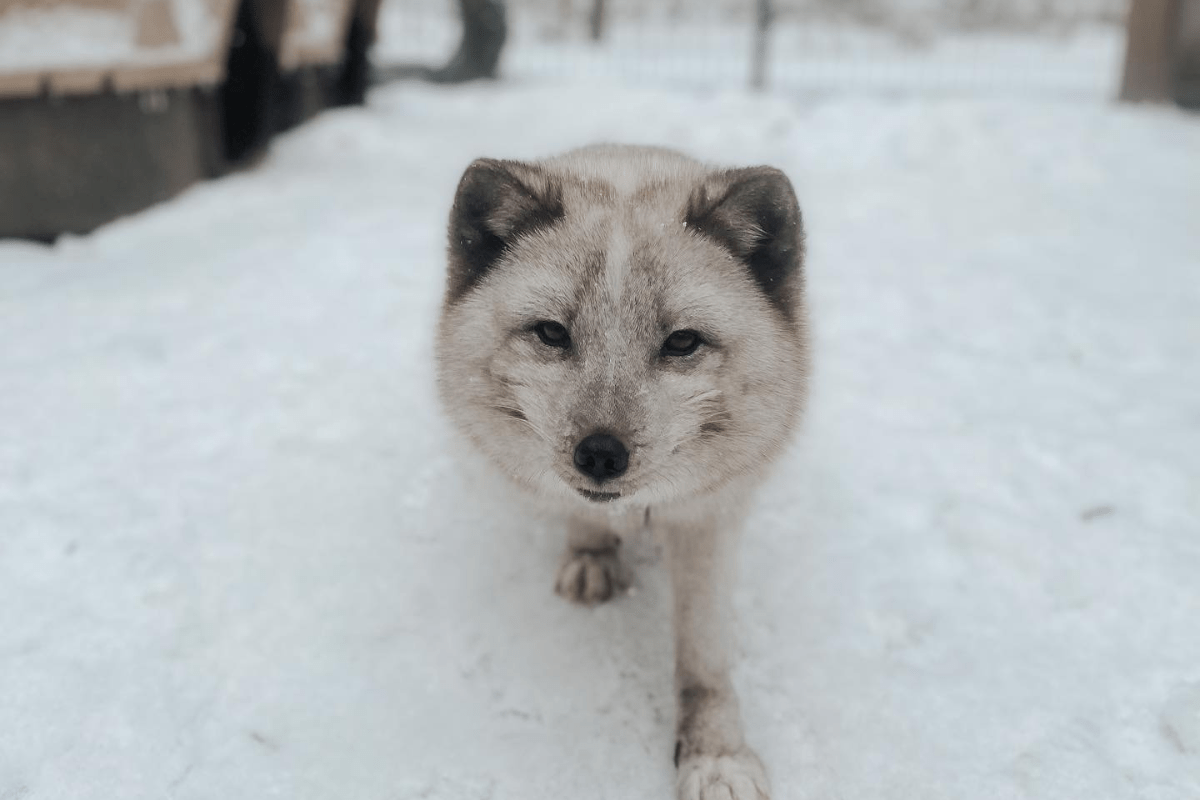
x=519, y=415
x=515, y=413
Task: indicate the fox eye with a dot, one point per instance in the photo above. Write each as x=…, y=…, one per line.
x=552, y=334
x=681, y=343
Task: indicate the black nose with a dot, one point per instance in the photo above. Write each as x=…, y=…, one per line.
x=601, y=456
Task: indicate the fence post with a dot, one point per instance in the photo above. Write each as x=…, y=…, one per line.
x=1150, y=51
x=1187, y=56
x=597, y=20
x=762, y=24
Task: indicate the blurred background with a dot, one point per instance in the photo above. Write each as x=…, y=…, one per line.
x=110, y=105
x=240, y=556
x=1059, y=45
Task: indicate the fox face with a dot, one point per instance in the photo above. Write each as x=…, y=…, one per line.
x=623, y=325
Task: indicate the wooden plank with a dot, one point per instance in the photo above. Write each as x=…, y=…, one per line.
x=166, y=76
x=156, y=24
x=98, y=5
x=79, y=81
x=122, y=78
x=1150, y=51
x=316, y=55
x=294, y=29
x=225, y=11
x=21, y=84
x=76, y=162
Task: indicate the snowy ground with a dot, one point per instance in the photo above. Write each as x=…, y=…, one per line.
x=237, y=559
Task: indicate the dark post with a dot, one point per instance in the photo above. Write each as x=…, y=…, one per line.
x=251, y=74
x=1187, y=58
x=484, y=32
x=1150, y=51
x=762, y=27
x=597, y=20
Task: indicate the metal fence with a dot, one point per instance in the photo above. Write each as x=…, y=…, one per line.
x=1063, y=47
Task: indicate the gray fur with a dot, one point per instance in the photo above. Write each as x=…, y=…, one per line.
x=623, y=246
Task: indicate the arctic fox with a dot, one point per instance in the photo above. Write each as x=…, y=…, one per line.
x=624, y=336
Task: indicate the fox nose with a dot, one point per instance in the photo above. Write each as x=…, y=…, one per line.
x=601, y=456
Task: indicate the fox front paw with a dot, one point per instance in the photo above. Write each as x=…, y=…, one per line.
x=590, y=576
x=735, y=776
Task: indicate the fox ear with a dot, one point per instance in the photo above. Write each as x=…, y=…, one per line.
x=753, y=214
x=497, y=202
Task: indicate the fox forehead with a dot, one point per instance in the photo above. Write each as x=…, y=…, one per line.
x=601, y=270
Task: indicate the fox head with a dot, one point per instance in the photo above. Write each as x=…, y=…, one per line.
x=623, y=325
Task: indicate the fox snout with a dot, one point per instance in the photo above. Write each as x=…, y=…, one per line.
x=601, y=457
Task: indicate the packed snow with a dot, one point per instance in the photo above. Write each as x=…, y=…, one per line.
x=240, y=556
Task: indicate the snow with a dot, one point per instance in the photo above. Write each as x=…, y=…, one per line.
x=58, y=36
x=241, y=558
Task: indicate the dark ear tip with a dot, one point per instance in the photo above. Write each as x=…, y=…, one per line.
x=767, y=171
x=488, y=165
x=775, y=182
x=481, y=168
x=754, y=213
x=496, y=202
x=486, y=175
x=772, y=177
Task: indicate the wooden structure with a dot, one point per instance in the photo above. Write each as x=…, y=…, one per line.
x=112, y=105
x=1162, y=54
